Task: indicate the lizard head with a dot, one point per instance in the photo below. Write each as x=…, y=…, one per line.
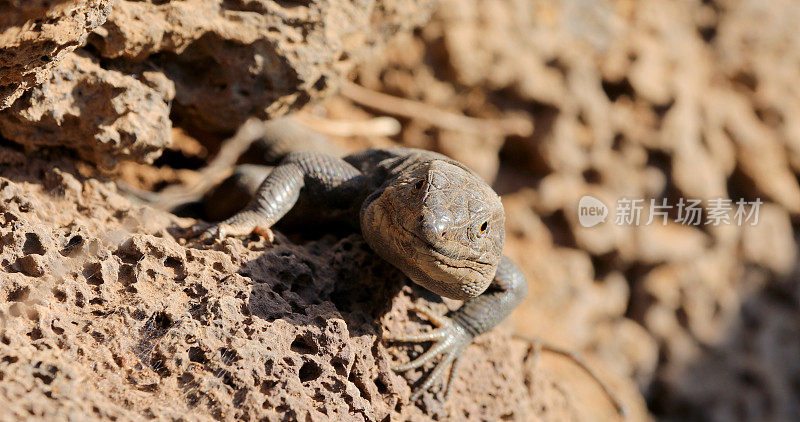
x=441, y=224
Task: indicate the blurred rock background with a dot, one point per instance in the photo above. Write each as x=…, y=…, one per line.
x=636, y=99
x=628, y=99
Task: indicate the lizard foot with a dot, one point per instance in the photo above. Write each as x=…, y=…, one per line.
x=450, y=340
x=241, y=224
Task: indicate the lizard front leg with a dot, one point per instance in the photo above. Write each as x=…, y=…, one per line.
x=477, y=316
x=474, y=317
x=328, y=179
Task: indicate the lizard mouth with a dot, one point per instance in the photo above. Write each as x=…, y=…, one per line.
x=442, y=258
x=465, y=277
x=427, y=265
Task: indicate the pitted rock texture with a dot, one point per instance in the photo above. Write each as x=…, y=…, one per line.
x=231, y=59
x=35, y=35
x=105, y=314
x=105, y=115
x=214, y=63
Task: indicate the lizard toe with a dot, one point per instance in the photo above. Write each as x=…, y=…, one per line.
x=450, y=357
x=242, y=224
x=451, y=339
x=432, y=335
x=434, y=318
x=209, y=234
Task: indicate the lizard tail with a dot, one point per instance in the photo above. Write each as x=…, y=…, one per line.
x=539, y=345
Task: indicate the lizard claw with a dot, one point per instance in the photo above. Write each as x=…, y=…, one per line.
x=214, y=233
x=265, y=233
x=451, y=339
x=239, y=225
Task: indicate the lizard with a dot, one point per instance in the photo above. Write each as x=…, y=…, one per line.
x=430, y=216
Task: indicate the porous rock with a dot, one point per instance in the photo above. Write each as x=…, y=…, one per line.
x=36, y=35
x=105, y=115
x=234, y=59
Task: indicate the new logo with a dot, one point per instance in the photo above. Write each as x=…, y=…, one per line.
x=591, y=211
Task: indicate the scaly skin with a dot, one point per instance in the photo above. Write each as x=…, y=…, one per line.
x=428, y=215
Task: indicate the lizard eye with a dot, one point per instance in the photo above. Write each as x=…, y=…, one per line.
x=419, y=185
x=484, y=227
